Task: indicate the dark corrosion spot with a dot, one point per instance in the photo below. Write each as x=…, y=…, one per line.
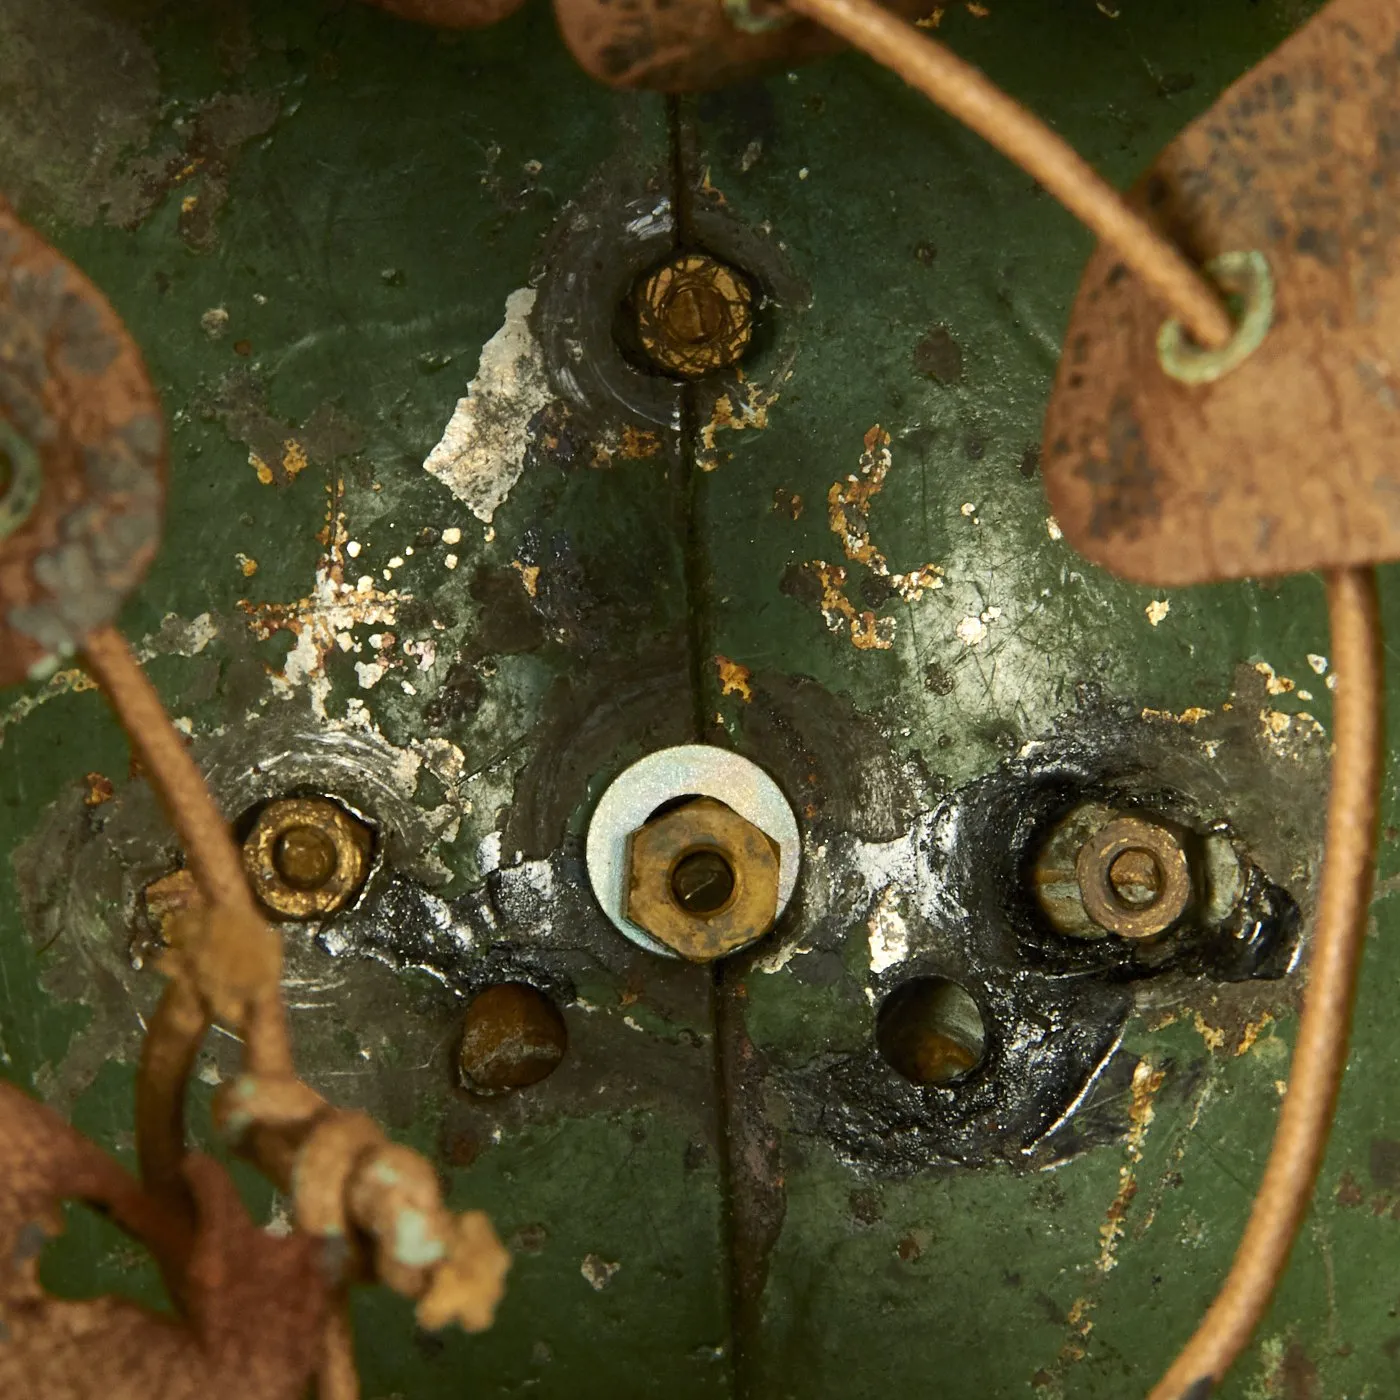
x=939, y=357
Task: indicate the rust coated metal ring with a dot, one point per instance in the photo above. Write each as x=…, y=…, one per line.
x=1106, y=904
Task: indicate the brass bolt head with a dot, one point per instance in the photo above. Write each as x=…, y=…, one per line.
x=1134, y=877
x=513, y=1036
x=702, y=880
x=694, y=316
x=306, y=857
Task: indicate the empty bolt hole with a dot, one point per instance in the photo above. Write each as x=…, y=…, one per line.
x=513, y=1036
x=1136, y=878
x=930, y=1031
x=703, y=882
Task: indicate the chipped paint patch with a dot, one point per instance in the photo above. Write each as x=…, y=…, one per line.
x=743, y=407
x=598, y=1271
x=971, y=631
x=734, y=679
x=482, y=452
x=848, y=515
x=333, y=608
x=867, y=632
x=889, y=934
x=1052, y=528
x=1157, y=611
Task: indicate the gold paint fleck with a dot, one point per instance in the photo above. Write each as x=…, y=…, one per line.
x=734, y=678
x=1213, y=1036
x=248, y=567
x=978, y=11
x=1192, y=715
x=263, y=470
x=529, y=576
x=1157, y=611
x=933, y=19
x=293, y=458
x=1147, y=1080
x=187, y=205
x=1251, y=1034
x=99, y=790
x=1273, y=682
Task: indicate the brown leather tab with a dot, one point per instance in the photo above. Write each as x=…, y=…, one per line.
x=691, y=45
x=1290, y=460
x=451, y=14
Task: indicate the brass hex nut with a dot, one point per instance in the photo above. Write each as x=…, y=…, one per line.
x=702, y=833
x=306, y=857
x=1135, y=877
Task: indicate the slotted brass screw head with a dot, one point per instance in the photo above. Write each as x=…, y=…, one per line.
x=694, y=316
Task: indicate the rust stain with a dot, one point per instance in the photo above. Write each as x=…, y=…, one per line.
x=734, y=679
x=637, y=444
x=99, y=790
x=848, y=502
x=787, y=503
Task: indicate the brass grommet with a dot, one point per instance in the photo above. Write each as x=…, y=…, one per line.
x=1246, y=278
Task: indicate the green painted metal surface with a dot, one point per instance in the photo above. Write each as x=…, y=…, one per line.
x=312, y=217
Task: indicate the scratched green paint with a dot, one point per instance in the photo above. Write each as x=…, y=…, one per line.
x=364, y=254
x=994, y=1284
